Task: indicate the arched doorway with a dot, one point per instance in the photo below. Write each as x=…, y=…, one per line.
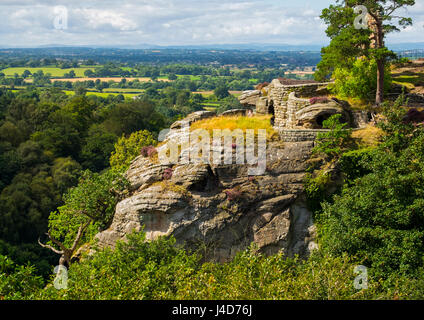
x=271, y=111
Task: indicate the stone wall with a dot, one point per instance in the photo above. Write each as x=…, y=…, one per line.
x=297, y=135
x=294, y=104
x=285, y=105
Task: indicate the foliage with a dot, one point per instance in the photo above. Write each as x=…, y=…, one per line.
x=350, y=45
x=127, y=149
x=94, y=199
x=17, y=282
x=148, y=151
x=317, y=189
x=167, y=174
x=133, y=271
x=358, y=81
x=380, y=217
x=354, y=163
x=221, y=92
x=161, y=270
x=336, y=141
x=233, y=194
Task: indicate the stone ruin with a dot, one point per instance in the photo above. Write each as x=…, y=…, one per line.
x=299, y=108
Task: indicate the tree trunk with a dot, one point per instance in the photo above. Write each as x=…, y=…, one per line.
x=379, y=39
x=380, y=82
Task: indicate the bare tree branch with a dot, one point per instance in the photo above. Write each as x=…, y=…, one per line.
x=49, y=247
x=81, y=230
x=60, y=244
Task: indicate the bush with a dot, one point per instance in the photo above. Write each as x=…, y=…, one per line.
x=135, y=270
x=354, y=164
x=127, y=149
x=359, y=82
x=160, y=270
x=233, y=194
x=335, y=142
x=17, y=282
x=148, y=151
x=380, y=217
x=167, y=174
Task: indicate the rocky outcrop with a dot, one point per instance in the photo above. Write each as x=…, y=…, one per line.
x=249, y=98
x=234, y=112
x=312, y=116
x=219, y=207
x=193, y=117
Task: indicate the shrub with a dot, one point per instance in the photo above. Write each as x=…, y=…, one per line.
x=148, y=151
x=380, y=217
x=233, y=194
x=334, y=142
x=17, y=282
x=127, y=149
x=359, y=81
x=167, y=174
x=354, y=164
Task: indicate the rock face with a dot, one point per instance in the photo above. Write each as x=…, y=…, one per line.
x=220, y=208
x=249, y=98
x=313, y=115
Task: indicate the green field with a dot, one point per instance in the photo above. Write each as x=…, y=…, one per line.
x=123, y=90
x=55, y=72
x=192, y=78
x=104, y=94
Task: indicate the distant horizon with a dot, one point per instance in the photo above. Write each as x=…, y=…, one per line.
x=218, y=46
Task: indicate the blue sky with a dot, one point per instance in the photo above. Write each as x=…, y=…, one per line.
x=174, y=22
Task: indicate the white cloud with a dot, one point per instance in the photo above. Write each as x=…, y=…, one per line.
x=107, y=22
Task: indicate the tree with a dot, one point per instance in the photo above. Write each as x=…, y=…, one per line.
x=26, y=74
x=88, y=209
x=221, y=92
x=349, y=42
x=98, y=146
x=89, y=73
x=172, y=77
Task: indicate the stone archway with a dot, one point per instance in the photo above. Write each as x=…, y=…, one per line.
x=313, y=117
x=271, y=111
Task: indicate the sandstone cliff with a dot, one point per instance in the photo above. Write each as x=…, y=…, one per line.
x=220, y=207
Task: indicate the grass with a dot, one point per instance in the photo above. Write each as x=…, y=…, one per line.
x=213, y=109
x=409, y=81
x=104, y=94
x=355, y=103
x=237, y=122
x=55, y=72
x=192, y=77
x=368, y=136
x=167, y=186
x=123, y=90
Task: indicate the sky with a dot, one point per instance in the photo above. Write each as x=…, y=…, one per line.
x=31, y=23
